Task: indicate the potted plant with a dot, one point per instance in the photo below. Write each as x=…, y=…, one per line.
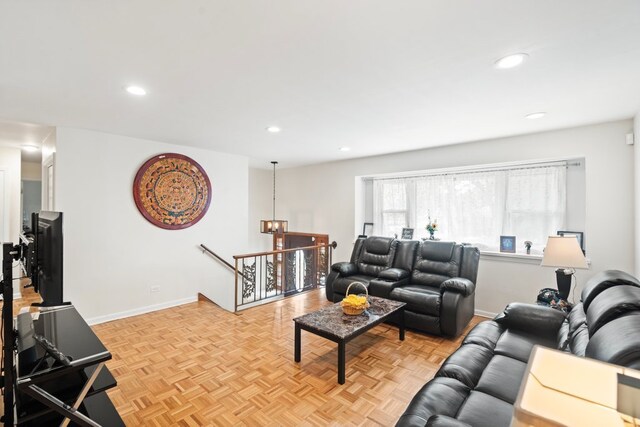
x=432, y=226
x=527, y=245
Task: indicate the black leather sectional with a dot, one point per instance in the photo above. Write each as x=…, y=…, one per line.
x=436, y=280
x=478, y=384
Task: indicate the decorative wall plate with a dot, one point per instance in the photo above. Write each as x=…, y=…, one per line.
x=172, y=191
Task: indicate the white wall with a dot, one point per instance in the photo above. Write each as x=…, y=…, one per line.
x=320, y=198
x=113, y=255
x=10, y=218
x=636, y=156
x=261, y=207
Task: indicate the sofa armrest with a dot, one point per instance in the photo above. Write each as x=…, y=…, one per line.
x=458, y=284
x=445, y=421
x=393, y=274
x=345, y=268
x=531, y=318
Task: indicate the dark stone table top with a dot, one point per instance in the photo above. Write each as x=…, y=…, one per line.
x=333, y=321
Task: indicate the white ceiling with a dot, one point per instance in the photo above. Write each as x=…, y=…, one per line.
x=16, y=135
x=377, y=76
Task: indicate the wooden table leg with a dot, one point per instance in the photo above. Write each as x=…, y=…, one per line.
x=401, y=324
x=341, y=361
x=296, y=351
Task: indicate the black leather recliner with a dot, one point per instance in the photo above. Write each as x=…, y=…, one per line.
x=369, y=257
x=478, y=384
x=436, y=280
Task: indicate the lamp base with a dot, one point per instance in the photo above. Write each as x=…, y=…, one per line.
x=563, y=281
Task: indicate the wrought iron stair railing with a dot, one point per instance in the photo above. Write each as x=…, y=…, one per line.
x=264, y=276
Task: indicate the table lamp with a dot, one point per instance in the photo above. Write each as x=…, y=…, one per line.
x=564, y=253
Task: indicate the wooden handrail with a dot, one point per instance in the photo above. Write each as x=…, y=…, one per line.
x=209, y=251
x=281, y=251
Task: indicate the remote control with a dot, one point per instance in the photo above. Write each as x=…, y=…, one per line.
x=52, y=350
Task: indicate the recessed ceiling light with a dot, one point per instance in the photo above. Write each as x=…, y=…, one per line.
x=345, y=148
x=31, y=148
x=538, y=115
x=136, y=90
x=273, y=129
x=511, y=61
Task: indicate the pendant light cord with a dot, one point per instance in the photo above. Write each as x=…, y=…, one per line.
x=274, y=191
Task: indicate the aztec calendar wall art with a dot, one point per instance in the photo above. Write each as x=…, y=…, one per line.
x=172, y=191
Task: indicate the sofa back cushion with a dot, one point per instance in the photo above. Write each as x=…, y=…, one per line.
x=603, y=281
x=610, y=304
x=357, y=249
x=573, y=336
x=406, y=254
x=470, y=262
x=617, y=342
x=377, y=254
x=436, y=262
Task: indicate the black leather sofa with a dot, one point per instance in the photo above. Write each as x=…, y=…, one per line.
x=436, y=280
x=478, y=384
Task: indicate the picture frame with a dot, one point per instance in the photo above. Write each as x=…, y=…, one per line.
x=407, y=233
x=508, y=244
x=367, y=228
x=578, y=234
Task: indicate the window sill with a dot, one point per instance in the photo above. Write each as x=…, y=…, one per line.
x=511, y=257
x=517, y=257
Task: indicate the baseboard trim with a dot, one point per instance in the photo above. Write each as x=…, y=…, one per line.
x=141, y=310
x=483, y=313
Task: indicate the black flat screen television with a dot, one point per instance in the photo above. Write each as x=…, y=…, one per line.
x=47, y=274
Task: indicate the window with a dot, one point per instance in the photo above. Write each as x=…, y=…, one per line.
x=527, y=201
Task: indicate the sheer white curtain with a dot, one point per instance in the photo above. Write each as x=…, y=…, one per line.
x=536, y=204
x=390, y=207
x=475, y=207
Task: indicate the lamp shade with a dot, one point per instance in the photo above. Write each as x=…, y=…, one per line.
x=563, y=252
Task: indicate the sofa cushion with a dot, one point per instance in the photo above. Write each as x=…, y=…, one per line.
x=603, y=281
x=442, y=396
x=563, y=337
x=576, y=318
x=518, y=344
x=419, y=299
x=502, y=378
x=573, y=335
x=466, y=364
x=579, y=340
x=444, y=421
x=485, y=334
x=436, y=262
x=617, y=342
x=376, y=255
x=382, y=288
x=611, y=304
x=406, y=254
x=483, y=410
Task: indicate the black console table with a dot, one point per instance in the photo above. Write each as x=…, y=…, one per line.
x=55, y=394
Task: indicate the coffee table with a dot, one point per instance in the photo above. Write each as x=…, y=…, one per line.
x=331, y=323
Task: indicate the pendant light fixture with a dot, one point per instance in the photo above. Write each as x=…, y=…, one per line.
x=274, y=226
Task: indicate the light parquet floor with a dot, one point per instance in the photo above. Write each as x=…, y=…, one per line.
x=198, y=365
